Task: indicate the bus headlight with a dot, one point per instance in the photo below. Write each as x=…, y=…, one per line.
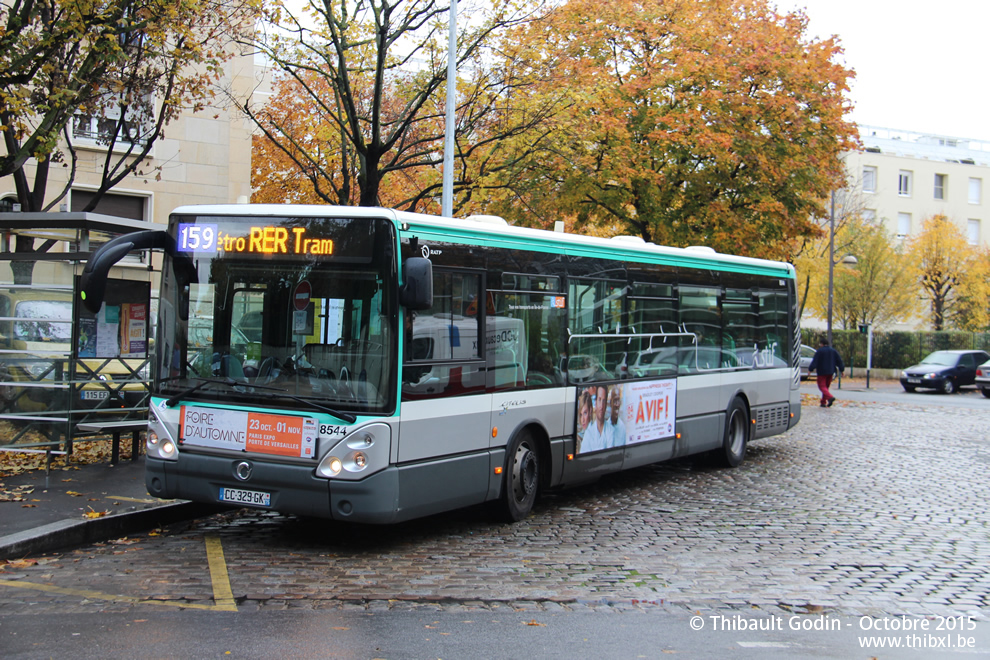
x=363, y=451
x=167, y=450
x=159, y=441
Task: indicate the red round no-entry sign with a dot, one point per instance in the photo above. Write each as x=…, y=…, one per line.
x=300, y=297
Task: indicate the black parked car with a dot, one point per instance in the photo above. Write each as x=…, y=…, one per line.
x=945, y=371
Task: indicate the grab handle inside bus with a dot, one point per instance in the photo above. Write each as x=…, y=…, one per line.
x=417, y=288
x=93, y=281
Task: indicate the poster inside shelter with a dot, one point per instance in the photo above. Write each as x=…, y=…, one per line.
x=133, y=330
x=120, y=328
x=107, y=331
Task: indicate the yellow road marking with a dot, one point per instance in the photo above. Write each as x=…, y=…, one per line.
x=222, y=594
x=96, y=595
x=223, y=597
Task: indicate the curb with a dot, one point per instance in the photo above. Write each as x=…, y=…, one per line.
x=70, y=533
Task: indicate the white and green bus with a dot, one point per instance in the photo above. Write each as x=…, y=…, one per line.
x=376, y=366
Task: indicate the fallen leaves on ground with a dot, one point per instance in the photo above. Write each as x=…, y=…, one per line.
x=84, y=452
x=125, y=541
x=15, y=493
x=94, y=514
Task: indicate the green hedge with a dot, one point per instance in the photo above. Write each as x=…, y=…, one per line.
x=895, y=349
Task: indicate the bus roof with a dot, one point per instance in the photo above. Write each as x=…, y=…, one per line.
x=490, y=231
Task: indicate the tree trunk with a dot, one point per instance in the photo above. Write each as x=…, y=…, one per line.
x=23, y=270
x=369, y=180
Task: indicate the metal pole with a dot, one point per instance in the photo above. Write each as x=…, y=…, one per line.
x=447, y=199
x=869, y=353
x=831, y=267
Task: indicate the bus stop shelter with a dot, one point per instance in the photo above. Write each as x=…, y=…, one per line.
x=67, y=375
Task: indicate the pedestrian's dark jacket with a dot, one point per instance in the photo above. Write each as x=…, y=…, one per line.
x=826, y=361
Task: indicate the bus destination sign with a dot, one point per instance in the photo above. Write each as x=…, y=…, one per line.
x=270, y=240
x=281, y=435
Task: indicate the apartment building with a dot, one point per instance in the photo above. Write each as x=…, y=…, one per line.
x=904, y=177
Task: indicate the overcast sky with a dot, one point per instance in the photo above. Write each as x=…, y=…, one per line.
x=920, y=66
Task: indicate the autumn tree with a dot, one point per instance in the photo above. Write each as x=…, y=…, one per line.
x=359, y=97
x=132, y=64
x=952, y=275
x=717, y=123
x=171, y=65
x=879, y=289
x=280, y=173
x=973, y=308
x=810, y=253
x=138, y=63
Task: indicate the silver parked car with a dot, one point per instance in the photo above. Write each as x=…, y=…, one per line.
x=983, y=379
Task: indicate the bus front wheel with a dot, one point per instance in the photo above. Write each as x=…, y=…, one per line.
x=737, y=432
x=522, y=478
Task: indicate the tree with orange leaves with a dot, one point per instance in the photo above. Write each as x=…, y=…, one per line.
x=358, y=110
x=716, y=123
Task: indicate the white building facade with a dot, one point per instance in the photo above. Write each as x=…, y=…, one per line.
x=904, y=177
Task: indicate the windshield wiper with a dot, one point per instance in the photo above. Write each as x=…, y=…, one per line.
x=347, y=417
x=230, y=382
x=203, y=382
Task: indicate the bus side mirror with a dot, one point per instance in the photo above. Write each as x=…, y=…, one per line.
x=417, y=288
x=93, y=281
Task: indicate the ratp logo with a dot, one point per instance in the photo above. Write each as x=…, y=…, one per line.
x=429, y=252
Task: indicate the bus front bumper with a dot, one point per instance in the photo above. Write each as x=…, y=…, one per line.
x=290, y=489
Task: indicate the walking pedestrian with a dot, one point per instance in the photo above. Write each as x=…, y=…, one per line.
x=826, y=363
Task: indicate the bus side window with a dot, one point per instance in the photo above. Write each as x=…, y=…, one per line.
x=739, y=325
x=525, y=340
x=596, y=309
x=773, y=339
x=443, y=350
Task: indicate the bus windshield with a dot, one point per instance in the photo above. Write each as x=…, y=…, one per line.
x=294, y=312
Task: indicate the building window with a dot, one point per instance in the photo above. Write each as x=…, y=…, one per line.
x=975, y=191
x=903, y=225
x=117, y=205
x=904, y=183
x=869, y=179
x=134, y=128
x=973, y=231
x=940, y=182
x=870, y=216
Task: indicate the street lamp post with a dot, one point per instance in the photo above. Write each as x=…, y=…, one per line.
x=847, y=259
x=447, y=193
x=831, y=267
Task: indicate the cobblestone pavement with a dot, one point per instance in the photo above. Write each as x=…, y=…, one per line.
x=862, y=509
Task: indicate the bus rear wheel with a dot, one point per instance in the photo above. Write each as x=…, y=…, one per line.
x=522, y=478
x=737, y=431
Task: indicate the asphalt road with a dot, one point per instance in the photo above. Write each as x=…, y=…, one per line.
x=868, y=520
